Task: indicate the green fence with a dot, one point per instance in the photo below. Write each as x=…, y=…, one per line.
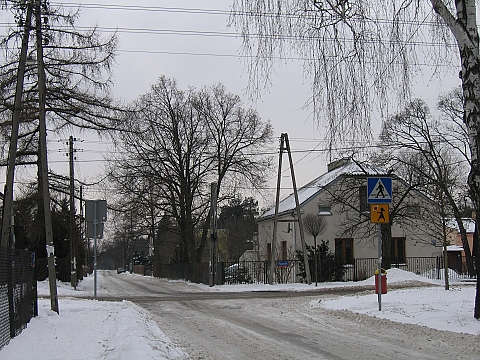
x=17, y=292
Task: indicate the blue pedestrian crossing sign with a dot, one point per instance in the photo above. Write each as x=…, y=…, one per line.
x=379, y=190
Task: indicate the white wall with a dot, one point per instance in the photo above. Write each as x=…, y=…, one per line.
x=417, y=233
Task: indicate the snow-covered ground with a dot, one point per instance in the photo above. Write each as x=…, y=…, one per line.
x=87, y=329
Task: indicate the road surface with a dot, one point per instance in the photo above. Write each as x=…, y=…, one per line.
x=279, y=325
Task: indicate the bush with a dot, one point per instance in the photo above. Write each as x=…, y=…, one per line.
x=329, y=267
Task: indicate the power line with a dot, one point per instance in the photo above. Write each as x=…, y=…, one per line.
x=153, y=31
x=309, y=15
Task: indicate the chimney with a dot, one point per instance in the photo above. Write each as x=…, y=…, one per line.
x=337, y=163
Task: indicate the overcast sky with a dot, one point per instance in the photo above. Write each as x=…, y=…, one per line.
x=189, y=40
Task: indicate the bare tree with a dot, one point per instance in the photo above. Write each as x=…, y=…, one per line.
x=314, y=225
x=360, y=53
x=181, y=141
x=163, y=140
x=420, y=145
x=78, y=67
x=237, y=139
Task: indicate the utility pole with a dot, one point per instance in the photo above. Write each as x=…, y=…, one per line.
x=82, y=228
x=299, y=215
x=213, y=232
x=12, y=153
x=42, y=159
x=285, y=145
x=275, y=222
x=73, y=260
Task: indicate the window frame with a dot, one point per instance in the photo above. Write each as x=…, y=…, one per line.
x=363, y=199
x=342, y=245
x=284, y=252
x=398, y=253
x=324, y=210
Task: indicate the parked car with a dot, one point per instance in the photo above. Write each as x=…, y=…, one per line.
x=121, y=270
x=237, y=274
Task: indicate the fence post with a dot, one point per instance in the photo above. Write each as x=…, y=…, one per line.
x=355, y=278
x=438, y=268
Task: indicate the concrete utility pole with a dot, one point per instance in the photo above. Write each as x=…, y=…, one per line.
x=12, y=153
x=299, y=215
x=275, y=222
x=213, y=232
x=42, y=159
x=73, y=260
x=285, y=145
x=83, y=230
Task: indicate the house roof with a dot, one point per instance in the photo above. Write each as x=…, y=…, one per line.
x=468, y=224
x=305, y=193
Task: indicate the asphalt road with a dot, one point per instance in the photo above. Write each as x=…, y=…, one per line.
x=279, y=325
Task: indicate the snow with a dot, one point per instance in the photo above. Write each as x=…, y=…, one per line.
x=454, y=248
x=90, y=329
x=311, y=189
x=468, y=224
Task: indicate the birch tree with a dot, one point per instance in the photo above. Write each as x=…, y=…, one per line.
x=360, y=53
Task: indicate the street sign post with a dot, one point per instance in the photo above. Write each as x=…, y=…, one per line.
x=95, y=216
x=379, y=194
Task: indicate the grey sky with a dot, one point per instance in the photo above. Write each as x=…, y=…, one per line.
x=181, y=39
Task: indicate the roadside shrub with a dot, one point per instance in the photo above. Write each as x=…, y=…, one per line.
x=329, y=266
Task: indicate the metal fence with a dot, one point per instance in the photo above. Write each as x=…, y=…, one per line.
x=17, y=292
x=428, y=267
x=288, y=271
x=257, y=272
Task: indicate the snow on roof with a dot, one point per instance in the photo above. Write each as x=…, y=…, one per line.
x=468, y=224
x=454, y=248
x=306, y=192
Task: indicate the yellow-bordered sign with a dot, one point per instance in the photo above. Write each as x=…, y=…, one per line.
x=379, y=213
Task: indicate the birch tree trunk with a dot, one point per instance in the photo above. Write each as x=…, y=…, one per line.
x=464, y=28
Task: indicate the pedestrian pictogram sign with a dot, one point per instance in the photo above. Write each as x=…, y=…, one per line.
x=379, y=213
x=379, y=190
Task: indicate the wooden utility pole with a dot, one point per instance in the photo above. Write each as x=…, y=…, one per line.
x=42, y=159
x=12, y=153
x=284, y=142
x=73, y=260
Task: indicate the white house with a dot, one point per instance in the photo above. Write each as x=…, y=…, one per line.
x=340, y=195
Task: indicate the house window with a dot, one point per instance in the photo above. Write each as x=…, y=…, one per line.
x=362, y=195
x=398, y=250
x=269, y=251
x=324, y=210
x=284, y=250
x=344, y=249
x=413, y=211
